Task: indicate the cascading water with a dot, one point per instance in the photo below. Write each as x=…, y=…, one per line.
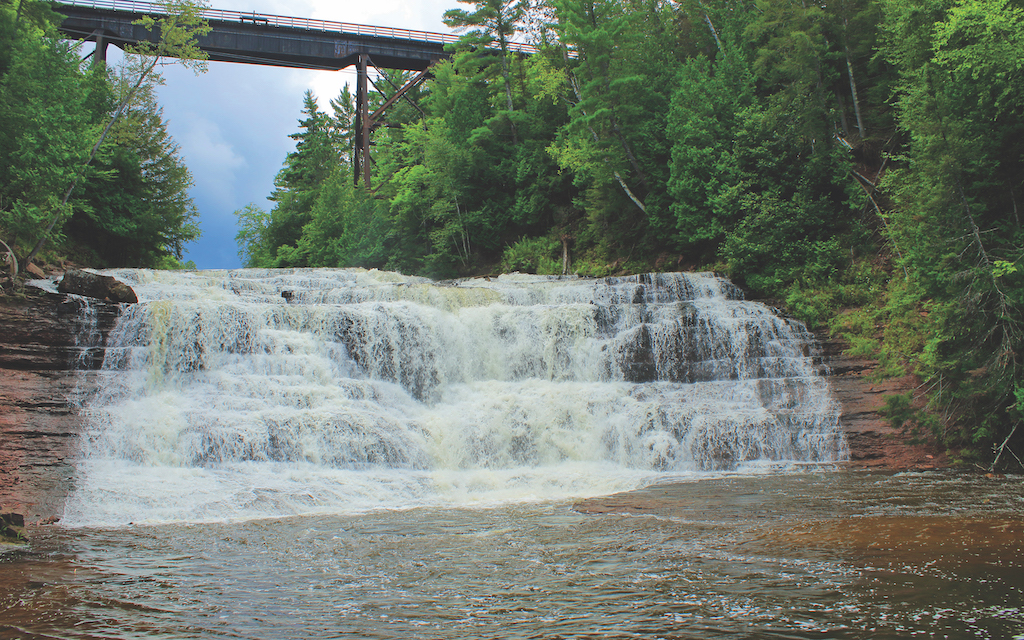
x=262, y=393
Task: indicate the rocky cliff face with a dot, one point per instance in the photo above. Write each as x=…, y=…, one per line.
x=49, y=343
x=873, y=443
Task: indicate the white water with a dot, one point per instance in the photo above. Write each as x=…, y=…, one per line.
x=247, y=394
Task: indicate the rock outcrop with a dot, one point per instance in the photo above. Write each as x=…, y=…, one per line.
x=873, y=442
x=12, y=528
x=49, y=343
x=93, y=285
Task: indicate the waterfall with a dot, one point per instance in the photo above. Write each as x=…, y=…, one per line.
x=257, y=393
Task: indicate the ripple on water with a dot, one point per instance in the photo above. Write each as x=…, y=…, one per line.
x=772, y=556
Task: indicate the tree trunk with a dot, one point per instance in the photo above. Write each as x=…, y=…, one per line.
x=622, y=183
x=842, y=116
x=853, y=82
x=11, y=258
x=1003, y=447
x=853, y=92
x=639, y=203
x=508, y=87
x=711, y=26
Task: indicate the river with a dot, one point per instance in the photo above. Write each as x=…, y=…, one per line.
x=797, y=554
x=343, y=453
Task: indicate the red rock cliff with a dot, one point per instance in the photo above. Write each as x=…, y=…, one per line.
x=48, y=344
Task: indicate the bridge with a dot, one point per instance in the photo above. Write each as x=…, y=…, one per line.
x=259, y=38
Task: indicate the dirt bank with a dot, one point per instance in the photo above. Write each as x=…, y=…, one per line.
x=874, y=444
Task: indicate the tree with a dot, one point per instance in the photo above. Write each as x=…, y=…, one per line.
x=46, y=120
x=494, y=20
x=712, y=102
x=347, y=226
x=341, y=127
x=619, y=92
x=254, y=244
x=135, y=210
x=298, y=183
x=179, y=28
x=959, y=103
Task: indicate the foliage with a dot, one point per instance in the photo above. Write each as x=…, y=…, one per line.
x=533, y=255
x=254, y=244
x=137, y=209
x=346, y=226
x=83, y=145
x=960, y=100
x=43, y=83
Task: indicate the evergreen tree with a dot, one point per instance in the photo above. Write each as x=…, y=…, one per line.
x=956, y=220
x=492, y=21
x=46, y=123
x=136, y=210
x=179, y=26
x=298, y=183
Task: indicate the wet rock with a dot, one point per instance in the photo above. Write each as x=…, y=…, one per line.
x=12, y=527
x=51, y=332
x=12, y=519
x=872, y=440
x=49, y=343
x=636, y=357
x=92, y=285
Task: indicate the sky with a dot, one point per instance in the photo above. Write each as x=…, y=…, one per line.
x=232, y=122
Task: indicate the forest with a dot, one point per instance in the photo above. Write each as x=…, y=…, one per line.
x=88, y=171
x=858, y=163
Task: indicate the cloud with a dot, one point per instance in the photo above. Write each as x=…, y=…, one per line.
x=211, y=159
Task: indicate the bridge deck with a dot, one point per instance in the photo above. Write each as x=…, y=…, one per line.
x=258, y=38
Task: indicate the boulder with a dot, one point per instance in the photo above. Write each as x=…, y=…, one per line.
x=12, y=528
x=93, y=285
x=35, y=271
x=12, y=520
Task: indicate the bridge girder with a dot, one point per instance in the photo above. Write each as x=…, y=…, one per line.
x=252, y=39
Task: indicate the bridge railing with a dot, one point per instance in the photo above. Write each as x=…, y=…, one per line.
x=271, y=20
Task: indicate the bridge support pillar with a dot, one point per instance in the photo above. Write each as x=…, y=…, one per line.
x=100, y=54
x=366, y=122
x=363, y=124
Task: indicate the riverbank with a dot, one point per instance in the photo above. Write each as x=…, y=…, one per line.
x=873, y=443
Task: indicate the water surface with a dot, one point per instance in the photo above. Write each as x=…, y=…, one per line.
x=812, y=554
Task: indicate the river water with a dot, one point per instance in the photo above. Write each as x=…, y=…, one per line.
x=342, y=453
x=797, y=554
